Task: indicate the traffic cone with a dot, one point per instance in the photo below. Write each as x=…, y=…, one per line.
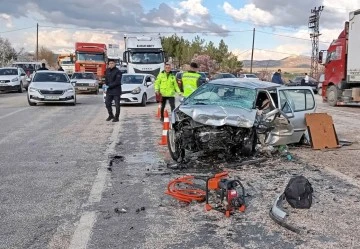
x=166, y=127
x=158, y=111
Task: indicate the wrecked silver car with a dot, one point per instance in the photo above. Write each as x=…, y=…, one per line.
x=235, y=115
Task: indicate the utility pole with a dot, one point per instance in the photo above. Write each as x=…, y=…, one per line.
x=37, y=41
x=314, y=21
x=252, y=51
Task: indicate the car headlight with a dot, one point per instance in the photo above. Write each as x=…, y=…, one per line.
x=70, y=90
x=136, y=90
x=33, y=89
x=16, y=79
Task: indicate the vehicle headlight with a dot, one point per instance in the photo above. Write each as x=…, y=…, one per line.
x=16, y=79
x=136, y=90
x=33, y=89
x=70, y=90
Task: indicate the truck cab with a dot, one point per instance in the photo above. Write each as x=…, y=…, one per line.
x=341, y=85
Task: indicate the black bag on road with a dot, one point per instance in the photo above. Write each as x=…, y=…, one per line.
x=298, y=192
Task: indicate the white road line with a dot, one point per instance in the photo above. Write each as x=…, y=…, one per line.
x=12, y=113
x=83, y=231
x=342, y=176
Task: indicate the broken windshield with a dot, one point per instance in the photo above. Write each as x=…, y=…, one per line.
x=222, y=95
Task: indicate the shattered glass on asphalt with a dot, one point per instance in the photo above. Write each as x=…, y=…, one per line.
x=219, y=105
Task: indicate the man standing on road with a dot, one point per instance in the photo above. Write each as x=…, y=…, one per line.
x=191, y=79
x=43, y=67
x=276, y=78
x=306, y=78
x=167, y=86
x=113, y=92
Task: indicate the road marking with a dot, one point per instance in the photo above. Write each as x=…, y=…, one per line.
x=12, y=113
x=342, y=176
x=83, y=230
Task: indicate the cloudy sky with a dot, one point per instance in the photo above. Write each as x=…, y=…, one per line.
x=281, y=25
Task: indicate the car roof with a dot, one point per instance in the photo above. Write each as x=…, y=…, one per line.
x=83, y=72
x=142, y=74
x=50, y=71
x=248, y=83
x=9, y=68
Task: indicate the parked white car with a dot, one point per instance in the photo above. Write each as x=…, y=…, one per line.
x=249, y=76
x=12, y=79
x=51, y=87
x=137, y=89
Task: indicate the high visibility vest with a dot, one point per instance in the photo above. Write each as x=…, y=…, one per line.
x=189, y=82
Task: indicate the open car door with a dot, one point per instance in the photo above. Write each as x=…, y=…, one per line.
x=294, y=102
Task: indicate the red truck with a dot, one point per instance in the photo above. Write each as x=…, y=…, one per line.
x=342, y=65
x=91, y=57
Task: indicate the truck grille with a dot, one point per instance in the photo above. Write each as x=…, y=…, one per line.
x=59, y=92
x=153, y=72
x=91, y=68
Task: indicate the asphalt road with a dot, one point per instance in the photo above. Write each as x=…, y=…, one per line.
x=66, y=175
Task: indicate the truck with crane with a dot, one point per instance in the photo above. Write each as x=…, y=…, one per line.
x=143, y=54
x=341, y=85
x=91, y=57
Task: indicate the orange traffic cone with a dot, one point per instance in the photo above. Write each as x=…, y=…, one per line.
x=158, y=111
x=166, y=127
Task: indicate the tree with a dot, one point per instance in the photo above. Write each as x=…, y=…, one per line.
x=222, y=52
x=48, y=55
x=7, y=52
x=232, y=64
x=206, y=64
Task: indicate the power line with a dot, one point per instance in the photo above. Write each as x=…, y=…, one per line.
x=14, y=30
x=149, y=32
x=293, y=37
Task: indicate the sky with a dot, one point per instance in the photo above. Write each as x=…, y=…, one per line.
x=281, y=26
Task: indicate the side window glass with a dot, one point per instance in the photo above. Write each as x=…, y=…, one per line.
x=300, y=100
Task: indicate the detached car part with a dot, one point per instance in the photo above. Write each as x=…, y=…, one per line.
x=278, y=215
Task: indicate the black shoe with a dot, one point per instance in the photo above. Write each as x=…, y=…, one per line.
x=116, y=120
x=109, y=118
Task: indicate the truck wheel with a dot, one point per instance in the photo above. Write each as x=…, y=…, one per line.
x=332, y=95
x=174, y=148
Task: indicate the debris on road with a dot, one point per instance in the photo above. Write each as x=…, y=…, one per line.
x=182, y=189
x=228, y=191
x=120, y=211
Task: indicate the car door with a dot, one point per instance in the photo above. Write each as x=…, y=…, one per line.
x=294, y=103
x=150, y=91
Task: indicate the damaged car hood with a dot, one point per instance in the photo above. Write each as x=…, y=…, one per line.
x=218, y=115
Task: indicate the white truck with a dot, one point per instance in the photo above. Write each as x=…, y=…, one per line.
x=144, y=54
x=113, y=53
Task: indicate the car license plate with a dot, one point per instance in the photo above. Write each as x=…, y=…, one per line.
x=52, y=97
x=83, y=88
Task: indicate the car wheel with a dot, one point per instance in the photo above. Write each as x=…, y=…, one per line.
x=248, y=146
x=20, y=88
x=332, y=95
x=143, y=100
x=175, y=150
x=31, y=103
x=74, y=103
x=96, y=92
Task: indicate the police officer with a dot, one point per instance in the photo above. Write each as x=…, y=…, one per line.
x=113, y=92
x=167, y=86
x=191, y=79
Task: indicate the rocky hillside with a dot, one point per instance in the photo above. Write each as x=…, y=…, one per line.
x=288, y=62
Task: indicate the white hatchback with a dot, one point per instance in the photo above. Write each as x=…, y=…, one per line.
x=137, y=89
x=51, y=87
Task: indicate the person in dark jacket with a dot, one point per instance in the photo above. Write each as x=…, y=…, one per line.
x=60, y=68
x=113, y=92
x=43, y=67
x=277, y=78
